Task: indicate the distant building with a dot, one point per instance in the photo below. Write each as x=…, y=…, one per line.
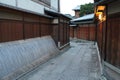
x=77, y=11
x=83, y=27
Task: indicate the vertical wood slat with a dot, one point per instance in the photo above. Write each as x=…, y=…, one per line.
x=109, y=41
x=28, y=26
x=118, y=53
x=55, y=33
x=71, y=32
x=11, y=30
x=116, y=41
x=61, y=34
x=86, y=32
x=92, y=33
x=0, y=32
x=63, y=30
x=112, y=43
x=67, y=32
x=32, y=30
x=45, y=29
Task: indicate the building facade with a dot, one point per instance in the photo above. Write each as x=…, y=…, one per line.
x=31, y=33
x=32, y=18
x=83, y=28
x=77, y=11
x=108, y=36
x=33, y=5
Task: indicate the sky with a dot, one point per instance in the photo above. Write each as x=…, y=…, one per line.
x=66, y=6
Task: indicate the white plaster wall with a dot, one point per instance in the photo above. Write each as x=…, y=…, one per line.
x=25, y=4
x=54, y=4
x=9, y=2
x=30, y=5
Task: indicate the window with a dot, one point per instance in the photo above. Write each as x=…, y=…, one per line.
x=47, y=2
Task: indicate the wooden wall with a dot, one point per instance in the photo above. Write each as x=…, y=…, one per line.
x=71, y=32
x=64, y=31
x=55, y=33
x=113, y=41
x=108, y=38
x=84, y=31
x=10, y=30
x=16, y=25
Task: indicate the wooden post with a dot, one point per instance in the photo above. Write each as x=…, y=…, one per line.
x=23, y=26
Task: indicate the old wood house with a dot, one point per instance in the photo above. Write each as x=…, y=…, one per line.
x=108, y=36
x=21, y=19
x=31, y=32
x=83, y=28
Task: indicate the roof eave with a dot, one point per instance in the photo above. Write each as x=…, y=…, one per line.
x=57, y=14
x=85, y=21
x=103, y=2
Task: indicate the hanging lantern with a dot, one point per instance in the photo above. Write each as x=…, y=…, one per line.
x=100, y=13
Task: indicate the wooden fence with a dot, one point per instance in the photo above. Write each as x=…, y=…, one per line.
x=71, y=32
x=83, y=31
x=17, y=25
x=86, y=31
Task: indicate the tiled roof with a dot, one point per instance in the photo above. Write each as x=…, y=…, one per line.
x=77, y=7
x=86, y=17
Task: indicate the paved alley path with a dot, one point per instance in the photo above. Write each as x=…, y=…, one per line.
x=80, y=62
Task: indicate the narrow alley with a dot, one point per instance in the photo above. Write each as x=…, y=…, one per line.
x=80, y=62
x=49, y=40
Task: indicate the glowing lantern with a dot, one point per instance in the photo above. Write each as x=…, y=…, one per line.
x=99, y=13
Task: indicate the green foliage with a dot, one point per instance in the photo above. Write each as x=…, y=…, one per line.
x=86, y=9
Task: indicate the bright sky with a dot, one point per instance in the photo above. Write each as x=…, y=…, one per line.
x=66, y=6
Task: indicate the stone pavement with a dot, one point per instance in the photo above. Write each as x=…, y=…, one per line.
x=80, y=62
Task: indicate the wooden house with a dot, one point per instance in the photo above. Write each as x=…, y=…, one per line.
x=108, y=36
x=21, y=19
x=83, y=28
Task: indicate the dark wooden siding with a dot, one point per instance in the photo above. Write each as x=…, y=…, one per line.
x=18, y=25
x=22, y=25
x=85, y=31
x=71, y=32
x=64, y=31
x=31, y=30
x=55, y=31
x=68, y=32
x=113, y=53
x=10, y=30
x=61, y=34
x=92, y=32
x=46, y=29
x=99, y=36
x=108, y=38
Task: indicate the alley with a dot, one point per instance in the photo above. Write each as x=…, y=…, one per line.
x=80, y=62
